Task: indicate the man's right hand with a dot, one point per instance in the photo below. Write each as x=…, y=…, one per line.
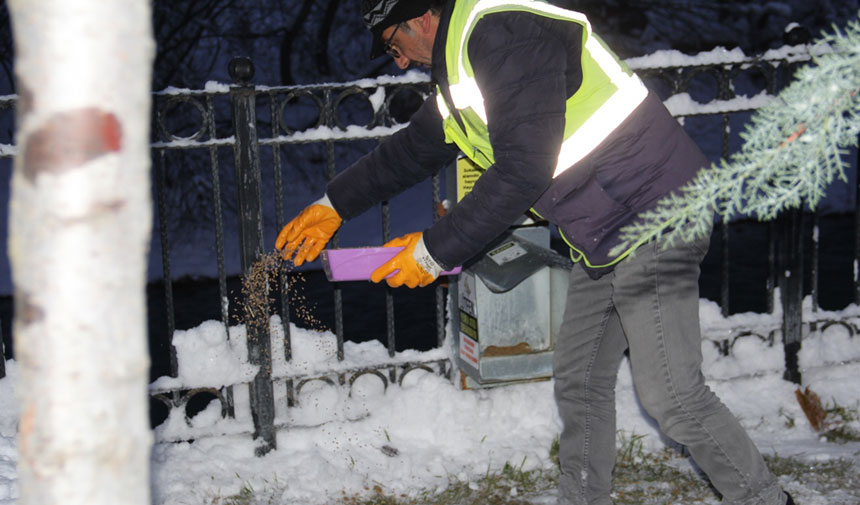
x=308, y=232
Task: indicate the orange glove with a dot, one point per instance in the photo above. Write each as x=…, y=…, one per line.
x=413, y=266
x=311, y=229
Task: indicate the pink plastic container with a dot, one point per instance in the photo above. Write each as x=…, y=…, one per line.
x=356, y=264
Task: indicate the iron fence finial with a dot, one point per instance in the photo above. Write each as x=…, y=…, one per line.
x=241, y=70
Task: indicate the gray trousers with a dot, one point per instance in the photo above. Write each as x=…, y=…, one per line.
x=648, y=305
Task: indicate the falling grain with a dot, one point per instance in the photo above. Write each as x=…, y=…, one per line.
x=259, y=285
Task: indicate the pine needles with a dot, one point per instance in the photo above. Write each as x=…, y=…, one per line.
x=793, y=149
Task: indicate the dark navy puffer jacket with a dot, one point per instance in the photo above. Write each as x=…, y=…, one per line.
x=526, y=66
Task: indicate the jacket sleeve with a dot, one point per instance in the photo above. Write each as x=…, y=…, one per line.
x=405, y=159
x=520, y=62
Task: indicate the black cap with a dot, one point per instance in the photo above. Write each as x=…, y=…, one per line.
x=380, y=14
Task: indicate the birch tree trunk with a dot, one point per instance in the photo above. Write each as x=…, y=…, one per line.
x=80, y=219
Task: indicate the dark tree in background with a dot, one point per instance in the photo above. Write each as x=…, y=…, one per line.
x=6, y=47
x=308, y=41
x=635, y=27
x=290, y=42
x=188, y=40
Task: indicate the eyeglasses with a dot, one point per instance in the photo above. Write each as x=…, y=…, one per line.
x=388, y=47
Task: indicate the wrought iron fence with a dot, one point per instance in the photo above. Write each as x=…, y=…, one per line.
x=7, y=151
x=249, y=139
x=258, y=121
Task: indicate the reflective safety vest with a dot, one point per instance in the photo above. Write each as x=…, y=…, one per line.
x=608, y=94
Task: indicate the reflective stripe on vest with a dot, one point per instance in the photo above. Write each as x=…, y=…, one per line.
x=624, y=90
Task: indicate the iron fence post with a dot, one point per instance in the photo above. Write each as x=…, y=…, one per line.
x=857, y=233
x=725, y=264
x=791, y=288
x=169, y=306
x=250, y=208
x=772, y=266
x=793, y=273
x=2, y=352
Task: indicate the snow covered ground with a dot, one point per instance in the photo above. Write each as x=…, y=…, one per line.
x=428, y=432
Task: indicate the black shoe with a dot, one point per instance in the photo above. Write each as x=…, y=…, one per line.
x=789, y=501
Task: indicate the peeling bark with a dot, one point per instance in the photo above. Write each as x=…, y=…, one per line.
x=69, y=139
x=27, y=312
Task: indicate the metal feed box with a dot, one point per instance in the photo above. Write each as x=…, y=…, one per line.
x=510, y=304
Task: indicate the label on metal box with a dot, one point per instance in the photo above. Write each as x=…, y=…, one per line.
x=469, y=347
x=506, y=253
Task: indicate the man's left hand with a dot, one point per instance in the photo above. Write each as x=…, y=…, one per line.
x=412, y=266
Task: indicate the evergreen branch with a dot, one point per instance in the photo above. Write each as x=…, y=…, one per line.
x=793, y=149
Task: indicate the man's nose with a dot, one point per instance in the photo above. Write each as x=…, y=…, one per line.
x=402, y=62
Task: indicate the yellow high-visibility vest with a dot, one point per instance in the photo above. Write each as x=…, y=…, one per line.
x=608, y=94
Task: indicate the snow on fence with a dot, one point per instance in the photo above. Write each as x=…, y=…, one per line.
x=231, y=163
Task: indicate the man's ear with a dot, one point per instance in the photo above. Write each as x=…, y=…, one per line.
x=424, y=22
